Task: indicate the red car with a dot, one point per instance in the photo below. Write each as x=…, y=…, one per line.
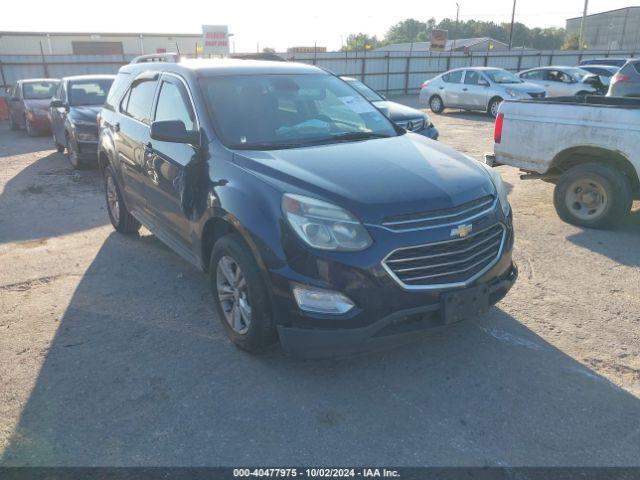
x=29, y=104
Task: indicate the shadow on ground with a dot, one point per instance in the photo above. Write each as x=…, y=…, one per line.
x=140, y=373
x=621, y=245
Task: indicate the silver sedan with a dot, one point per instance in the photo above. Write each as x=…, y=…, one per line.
x=476, y=88
x=563, y=81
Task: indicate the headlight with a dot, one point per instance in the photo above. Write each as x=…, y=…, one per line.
x=323, y=225
x=515, y=93
x=501, y=190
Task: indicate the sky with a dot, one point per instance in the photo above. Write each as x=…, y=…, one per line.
x=278, y=23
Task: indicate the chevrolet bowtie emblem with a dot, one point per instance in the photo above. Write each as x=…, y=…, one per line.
x=461, y=231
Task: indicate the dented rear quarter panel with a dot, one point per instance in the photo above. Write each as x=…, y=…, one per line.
x=535, y=133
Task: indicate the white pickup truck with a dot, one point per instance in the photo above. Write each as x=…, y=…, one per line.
x=589, y=147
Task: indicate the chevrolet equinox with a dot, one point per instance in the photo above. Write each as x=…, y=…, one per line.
x=320, y=222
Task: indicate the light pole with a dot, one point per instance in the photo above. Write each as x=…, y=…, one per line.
x=581, y=36
x=456, y=32
x=513, y=16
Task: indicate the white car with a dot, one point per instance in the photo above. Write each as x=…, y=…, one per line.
x=476, y=88
x=563, y=81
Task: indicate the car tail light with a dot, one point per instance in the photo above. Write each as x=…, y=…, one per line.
x=425, y=84
x=497, y=130
x=619, y=77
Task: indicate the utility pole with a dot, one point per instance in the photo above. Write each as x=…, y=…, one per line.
x=513, y=16
x=584, y=15
x=456, y=32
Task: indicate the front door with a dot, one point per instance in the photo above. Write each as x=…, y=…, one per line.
x=171, y=167
x=452, y=83
x=558, y=83
x=474, y=93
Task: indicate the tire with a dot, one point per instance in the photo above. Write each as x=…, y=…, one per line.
x=59, y=148
x=30, y=131
x=493, y=106
x=72, y=153
x=593, y=195
x=436, y=105
x=255, y=332
x=14, y=125
x=120, y=217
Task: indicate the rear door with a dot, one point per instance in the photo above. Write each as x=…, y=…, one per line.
x=452, y=83
x=168, y=165
x=536, y=77
x=131, y=136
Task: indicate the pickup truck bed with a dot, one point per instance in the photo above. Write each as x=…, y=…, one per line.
x=589, y=147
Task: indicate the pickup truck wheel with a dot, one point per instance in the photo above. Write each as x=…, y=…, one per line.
x=593, y=195
x=120, y=217
x=436, y=105
x=240, y=295
x=494, y=105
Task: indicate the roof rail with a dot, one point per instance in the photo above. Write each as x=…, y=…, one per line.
x=157, y=57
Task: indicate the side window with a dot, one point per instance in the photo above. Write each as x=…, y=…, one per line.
x=453, y=77
x=472, y=77
x=535, y=75
x=172, y=105
x=118, y=87
x=137, y=103
x=558, y=76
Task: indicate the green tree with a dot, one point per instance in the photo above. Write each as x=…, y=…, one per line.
x=409, y=30
x=572, y=42
x=361, y=41
x=268, y=50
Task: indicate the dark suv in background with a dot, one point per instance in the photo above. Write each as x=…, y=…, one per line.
x=73, y=112
x=319, y=221
x=626, y=82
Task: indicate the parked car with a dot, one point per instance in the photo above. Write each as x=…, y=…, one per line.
x=73, y=112
x=408, y=118
x=604, y=72
x=29, y=104
x=563, y=81
x=319, y=221
x=616, y=62
x=626, y=83
x=475, y=88
x=587, y=147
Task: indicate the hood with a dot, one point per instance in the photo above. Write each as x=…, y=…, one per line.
x=397, y=111
x=41, y=104
x=375, y=178
x=524, y=87
x=84, y=113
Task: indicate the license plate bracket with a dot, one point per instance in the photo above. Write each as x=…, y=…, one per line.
x=460, y=305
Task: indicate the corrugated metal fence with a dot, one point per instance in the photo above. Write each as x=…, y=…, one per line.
x=387, y=72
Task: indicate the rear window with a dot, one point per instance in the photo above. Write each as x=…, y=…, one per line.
x=118, y=87
x=453, y=77
x=89, y=92
x=39, y=90
x=137, y=102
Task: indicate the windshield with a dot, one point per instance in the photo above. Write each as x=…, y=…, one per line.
x=501, y=76
x=288, y=111
x=365, y=91
x=89, y=92
x=39, y=90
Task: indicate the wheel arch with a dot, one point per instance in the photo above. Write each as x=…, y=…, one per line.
x=578, y=155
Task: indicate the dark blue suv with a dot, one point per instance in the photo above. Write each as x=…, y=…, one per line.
x=319, y=221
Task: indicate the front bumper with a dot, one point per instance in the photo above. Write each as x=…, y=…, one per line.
x=88, y=151
x=395, y=328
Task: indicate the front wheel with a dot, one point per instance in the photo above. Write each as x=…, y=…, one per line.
x=593, y=195
x=59, y=148
x=436, y=105
x=72, y=153
x=120, y=217
x=30, y=130
x=240, y=295
x=494, y=105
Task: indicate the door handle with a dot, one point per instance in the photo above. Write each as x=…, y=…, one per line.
x=465, y=89
x=441, y=88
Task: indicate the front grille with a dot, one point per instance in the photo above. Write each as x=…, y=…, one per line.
x=536, y=94
x=444, y=263
x=444, y=216
x=413, y=125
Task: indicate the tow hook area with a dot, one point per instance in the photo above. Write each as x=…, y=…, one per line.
x=490, y=160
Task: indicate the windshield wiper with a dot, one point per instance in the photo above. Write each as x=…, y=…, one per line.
x=350, y=136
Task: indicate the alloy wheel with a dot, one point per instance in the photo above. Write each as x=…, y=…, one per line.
x=233, y=294
x=112, y=199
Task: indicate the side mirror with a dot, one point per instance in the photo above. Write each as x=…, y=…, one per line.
x=173, y=131
x=55, y=103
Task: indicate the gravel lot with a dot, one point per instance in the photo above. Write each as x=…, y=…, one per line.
x=110, y=353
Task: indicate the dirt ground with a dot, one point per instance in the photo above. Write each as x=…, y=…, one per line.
x=110, y=352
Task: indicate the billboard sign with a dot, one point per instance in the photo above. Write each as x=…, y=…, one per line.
x=438, y=40
x=215, y=39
